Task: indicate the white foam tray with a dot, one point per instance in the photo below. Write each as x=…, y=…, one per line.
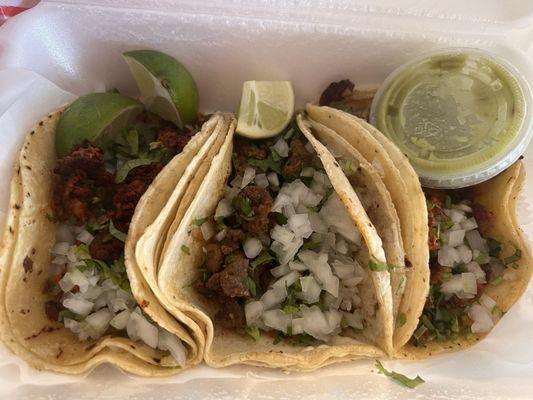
x=74, y=47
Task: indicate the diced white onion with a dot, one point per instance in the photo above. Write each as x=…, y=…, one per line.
x=310, y=290
x=469, y=224
x=208, y=230
x=61, y=248
x=252, y=247
x=248, y=177
x=476, y=242
x=300, y=225
x=253, y=311
x=98, y=322
x=78, y=306
x=465, y=254
x=281, y=147
x=85, y=237
x=261, y=180
x=307, y=172
x=120, y=320
x=343, y=270
x=168, y=341
x=224, y=209
x=448, y=256
x=481, y=317
x=277, y=319
x=297, y=266
x=474, y=268
x=273, y=179
x=353, y=319
x=273, y=297
x=280, y=270
x=455, y=238
x=145, y=331
x=335, y=215
x=487, y=302
x=221, y=235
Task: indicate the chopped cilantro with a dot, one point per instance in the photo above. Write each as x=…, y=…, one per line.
x=125, y=169
x=516, y=256
x=68, y=314
x=495, y=247
x=280, y=218
x=116, y=233
x=291, y=309
x=199, y=221
x=497, y=281
x=265, y=165
x=400, y=378
x=186, y=249
x=447, y=202
x=261, y=259
x=253, y=331
x=402, y=319
x=251, y=285
x=51, y=217
x=375, y=265
x=311, y=245
x=243, y=205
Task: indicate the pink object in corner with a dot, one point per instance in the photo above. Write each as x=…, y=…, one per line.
x=10, y=8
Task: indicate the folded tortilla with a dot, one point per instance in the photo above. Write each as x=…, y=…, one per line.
x=179, y=270
x=26, y=261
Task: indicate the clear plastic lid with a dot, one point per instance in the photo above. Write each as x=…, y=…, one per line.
x=460, y=115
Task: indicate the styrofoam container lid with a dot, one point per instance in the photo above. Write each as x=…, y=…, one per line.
x=460, y=115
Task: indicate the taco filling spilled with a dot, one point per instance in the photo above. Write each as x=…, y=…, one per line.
x=96, y=190
x=463, y=263
x=280, y=250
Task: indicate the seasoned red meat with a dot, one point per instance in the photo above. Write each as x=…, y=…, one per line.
x=105, y=247
x=232, y=241
x=246, y=149
x=261, y=201
x=230, y=315
x=52, y=309
x=233, y=277
x=173, y=141
x=214, y=259
x=127, y=197
x=299, y=158
x=335, y=92
x=80, y=176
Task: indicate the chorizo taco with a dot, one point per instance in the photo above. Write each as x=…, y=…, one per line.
x=68, y=301
x=283, y=256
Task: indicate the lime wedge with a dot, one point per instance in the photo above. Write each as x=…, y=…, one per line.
x=97, y=117
x=266, y=108
x=167, y=88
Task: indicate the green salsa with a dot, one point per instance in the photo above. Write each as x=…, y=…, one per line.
x=451, y=113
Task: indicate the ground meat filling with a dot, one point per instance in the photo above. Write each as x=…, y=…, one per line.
x=261, y=202
x=245, y=150
x=86, y=192
x=80, y=177
x=299, y=158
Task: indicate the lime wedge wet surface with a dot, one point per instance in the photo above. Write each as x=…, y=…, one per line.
x=167, y=88
x=97, y=117
x=450, y=113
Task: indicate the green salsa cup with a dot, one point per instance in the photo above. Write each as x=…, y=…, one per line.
x=460, y=115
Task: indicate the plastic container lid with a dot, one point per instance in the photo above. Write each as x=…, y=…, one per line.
x=461, y=116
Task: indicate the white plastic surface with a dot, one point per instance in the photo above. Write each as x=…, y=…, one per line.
x=77, y=46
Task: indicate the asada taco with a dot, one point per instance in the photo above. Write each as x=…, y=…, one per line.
x=410, y=280
x=279, y=255
x=68, y=302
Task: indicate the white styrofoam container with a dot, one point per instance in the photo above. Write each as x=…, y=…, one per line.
x=75, y=47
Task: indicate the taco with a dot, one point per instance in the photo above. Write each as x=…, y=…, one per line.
x=410, y=284
x=479, y=260
x=480, y=264
x=68, y=302
x=281, y=248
